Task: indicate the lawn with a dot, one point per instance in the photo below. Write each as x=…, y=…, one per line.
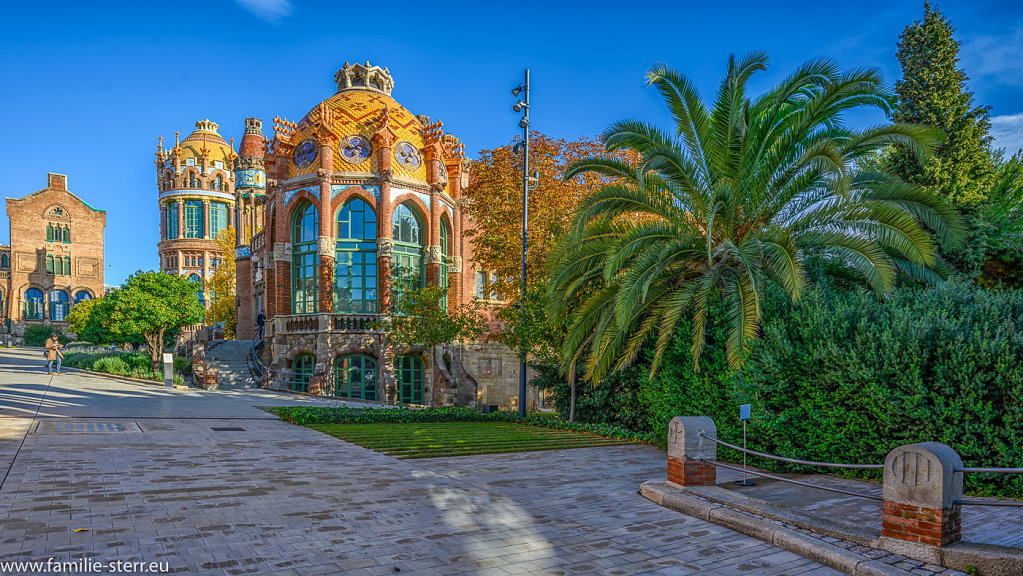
x=437, y=439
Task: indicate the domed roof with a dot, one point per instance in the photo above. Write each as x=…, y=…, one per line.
x=206, y=135
x=357, y=109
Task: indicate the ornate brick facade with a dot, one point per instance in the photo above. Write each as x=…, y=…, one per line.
x=55, y=258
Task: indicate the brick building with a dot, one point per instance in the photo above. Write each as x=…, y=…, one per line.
x=55, y=258
x=358, y=192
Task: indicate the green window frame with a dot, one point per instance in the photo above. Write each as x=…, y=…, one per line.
x=355, y=377
x=407, y=259
x=49, y=263
x=304, y=259
x=172, y=220
x=49, y=232
x=218, y=218
x=58, y=305
x=408, y=371
x=67, y=234
x=355, y=267
x=443, y=273
x=5, y=261
x=193, y=219
x=199, y=290
x=82, y=296
x=33, y=304
x=301, y=372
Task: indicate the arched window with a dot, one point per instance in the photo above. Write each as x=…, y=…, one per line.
x=49, y=263
x=82, y=296
x=407, y=262
x=5, y=261
x=33, y=304
x=67, y=235
x=67, y=265
x=304, y=259
x=58, y=234
x=198, y=290
x=355, y=377
x=301, y=373
x=58, y=305
x=49, y=232
x=408, y=370
x=172, y=220
x=218, y=184
x=193, y=219
x=218, y=217
x=191, y=179
x=442, y=281
x=355, y=278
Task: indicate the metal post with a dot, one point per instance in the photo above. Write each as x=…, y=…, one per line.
x=525, y=219
x=744, y=415
x=168, y=370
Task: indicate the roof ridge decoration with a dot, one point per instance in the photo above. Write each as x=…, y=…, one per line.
x=384, y=136
x=207, y=125
x=364, y=77
x=325, y=132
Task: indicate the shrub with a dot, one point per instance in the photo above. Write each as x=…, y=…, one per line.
x=110, y=365
x=37, y=334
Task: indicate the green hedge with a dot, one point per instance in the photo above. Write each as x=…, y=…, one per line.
x=843, y=377
x=38, y=334
x=131, y=364
x=342, y=414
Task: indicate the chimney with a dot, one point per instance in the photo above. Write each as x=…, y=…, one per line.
x=57, y=181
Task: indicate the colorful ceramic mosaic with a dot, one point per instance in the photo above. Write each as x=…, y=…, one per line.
x=355, y=149
x=305, y=153
x=407, y=155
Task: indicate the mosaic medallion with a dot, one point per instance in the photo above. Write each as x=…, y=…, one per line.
x=443, y=173
x=408, y=155
x=355, y=148
x=305, y=153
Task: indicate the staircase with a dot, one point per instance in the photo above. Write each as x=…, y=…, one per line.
x=231, y=359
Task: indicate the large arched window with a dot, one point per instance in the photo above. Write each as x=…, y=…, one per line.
x=193, y=219
x=218, y=183
x=197, y=280
x=82, y=296
x=303, y=259
x=172, y=220
x=33, y=304
x=355, y=278
x=58, y=305
x=301, y=373
x=408, y=370
x=355, y=377
x=191, y=180
x=407, y=262
x=442, y=281
x=218, y=218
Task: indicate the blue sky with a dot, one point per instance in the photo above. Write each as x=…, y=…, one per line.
x=90, y=85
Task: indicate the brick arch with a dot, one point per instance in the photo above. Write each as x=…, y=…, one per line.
x=350, y=349
x=423, y=210
x=353, y=192
x=301, y=351
x=185, y=177
x=296, y=200
x=225, y=175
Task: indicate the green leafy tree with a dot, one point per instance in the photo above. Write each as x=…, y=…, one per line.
x=151, y=304
x=86, y=319
x=417, y=319
x=221, y=286
x=933, y=92
x=737, y=197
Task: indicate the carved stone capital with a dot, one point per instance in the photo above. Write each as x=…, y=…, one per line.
x=282, y=252
x=324, y=173
x=437, y=186
x=455, y=265
x=385, y=247
x=434, y=255
x=387, y=176
x=325, y=246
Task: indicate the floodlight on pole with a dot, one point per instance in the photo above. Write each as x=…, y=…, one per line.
x=529, y=182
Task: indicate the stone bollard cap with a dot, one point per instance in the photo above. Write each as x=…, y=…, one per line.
x=923, y=475
x=685, y=442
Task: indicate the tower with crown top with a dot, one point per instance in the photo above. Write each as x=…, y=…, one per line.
x=250, y=187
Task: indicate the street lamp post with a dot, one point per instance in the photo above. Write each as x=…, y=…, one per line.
x=523, y=106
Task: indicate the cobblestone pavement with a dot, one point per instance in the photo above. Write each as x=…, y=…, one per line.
x=114, y=471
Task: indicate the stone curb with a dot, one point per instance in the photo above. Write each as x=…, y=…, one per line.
x=763, y=529
x=120, y=377
x=710, y=503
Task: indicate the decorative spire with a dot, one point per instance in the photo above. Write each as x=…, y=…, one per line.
x=364, y=77
x=384, y=135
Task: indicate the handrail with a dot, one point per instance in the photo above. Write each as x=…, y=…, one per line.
x=988, y=503
x=794, y=460
x=991, y=470
x=791, y=481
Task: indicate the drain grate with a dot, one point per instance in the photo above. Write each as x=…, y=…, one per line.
x=88, y=427
x=215, y=429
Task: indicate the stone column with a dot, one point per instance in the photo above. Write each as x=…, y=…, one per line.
x=385, y=236
x=687, y=449
x=181, y=218
x=920, y=489
x=325, y=242
x=231, y=220
x=163, y=221
x=179, y=262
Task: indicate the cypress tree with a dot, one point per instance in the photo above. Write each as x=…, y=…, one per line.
x=933, y=92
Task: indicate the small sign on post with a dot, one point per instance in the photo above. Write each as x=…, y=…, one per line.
x=744, y=414
x=168, y=370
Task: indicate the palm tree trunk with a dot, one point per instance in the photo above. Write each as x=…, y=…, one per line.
x=571, y=392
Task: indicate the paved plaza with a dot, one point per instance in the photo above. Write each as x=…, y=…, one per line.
x=108, y=470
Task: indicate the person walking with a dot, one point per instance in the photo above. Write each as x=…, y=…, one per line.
x=53, y=347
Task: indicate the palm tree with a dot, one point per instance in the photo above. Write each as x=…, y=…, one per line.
x=740, y=196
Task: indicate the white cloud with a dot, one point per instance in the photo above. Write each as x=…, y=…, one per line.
x=1007, y=131
x=996, y=57
x=270, y=10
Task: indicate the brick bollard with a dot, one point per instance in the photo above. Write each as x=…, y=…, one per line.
x=920, y=486
x=686, y=448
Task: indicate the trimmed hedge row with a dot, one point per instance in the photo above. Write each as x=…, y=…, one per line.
x=131, y=364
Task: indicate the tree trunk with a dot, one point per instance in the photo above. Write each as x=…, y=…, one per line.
x=571, y=392
x=436, y=377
